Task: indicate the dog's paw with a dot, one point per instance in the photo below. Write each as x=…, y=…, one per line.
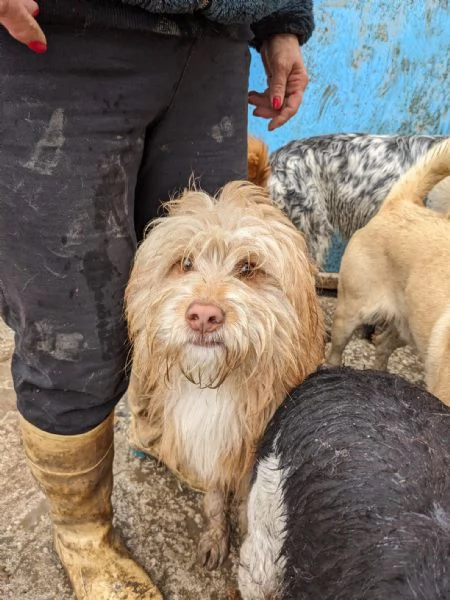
x=213, y=548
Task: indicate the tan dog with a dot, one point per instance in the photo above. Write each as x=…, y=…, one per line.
x=258, y=166
x=224, y=321
x=397, y=269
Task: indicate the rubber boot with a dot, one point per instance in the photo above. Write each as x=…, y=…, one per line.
x=75, y=474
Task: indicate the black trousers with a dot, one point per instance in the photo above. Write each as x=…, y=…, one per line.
x=94, y=134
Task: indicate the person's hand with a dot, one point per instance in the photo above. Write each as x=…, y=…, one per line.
x=18, y=18
x=287, y=79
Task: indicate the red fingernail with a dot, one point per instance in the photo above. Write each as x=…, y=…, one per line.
x=36, y=12
x=38, y=47
x=276, y=102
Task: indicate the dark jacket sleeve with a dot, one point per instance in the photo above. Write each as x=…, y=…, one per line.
x=231, y=12
x=168, y=7
x=266, y=17
x=295, y=17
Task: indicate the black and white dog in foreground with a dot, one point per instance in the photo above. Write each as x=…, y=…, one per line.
x=337, y=182
x=350, y=498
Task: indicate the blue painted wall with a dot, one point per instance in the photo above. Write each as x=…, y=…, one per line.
x=375, y=66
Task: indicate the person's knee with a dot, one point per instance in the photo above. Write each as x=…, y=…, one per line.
x=69, y=398
x=68, y=378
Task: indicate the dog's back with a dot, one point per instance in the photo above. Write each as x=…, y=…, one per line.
x=351, y=494
x=421, y=178
x=404, y=225
x=337, y=182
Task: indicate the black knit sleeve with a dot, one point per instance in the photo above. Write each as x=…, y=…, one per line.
x=296, y=17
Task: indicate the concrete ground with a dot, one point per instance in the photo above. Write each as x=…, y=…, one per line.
x=159, y=517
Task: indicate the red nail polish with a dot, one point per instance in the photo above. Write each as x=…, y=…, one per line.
x=276, y=102
x=37, y=47
x=36, y=12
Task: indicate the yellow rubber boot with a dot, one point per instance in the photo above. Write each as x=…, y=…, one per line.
x=75, y=474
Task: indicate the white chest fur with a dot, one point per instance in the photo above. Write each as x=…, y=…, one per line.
x=207, y=425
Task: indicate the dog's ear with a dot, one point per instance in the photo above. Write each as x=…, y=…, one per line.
x=258, y=167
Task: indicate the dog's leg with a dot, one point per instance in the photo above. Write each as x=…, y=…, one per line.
x=385, y=343
x=439, y=383
x=344, y=324
x=318, y=234
x=437, y=362
x=242, y=497
x=308, y=211
x=357, y=301
x=214, y=542
x=144, y=434
x=243, y=517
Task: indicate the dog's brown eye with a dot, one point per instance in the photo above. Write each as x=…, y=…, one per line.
x=246, y=269
x=187, y=264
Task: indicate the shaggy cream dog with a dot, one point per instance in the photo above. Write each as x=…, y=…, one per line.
x=224, y=321
x=396, y=269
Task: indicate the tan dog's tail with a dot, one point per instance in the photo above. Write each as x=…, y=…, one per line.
x=421, y=178
x=258, y=165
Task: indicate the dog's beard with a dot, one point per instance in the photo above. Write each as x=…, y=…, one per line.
x=204, y=365
x=205, y=361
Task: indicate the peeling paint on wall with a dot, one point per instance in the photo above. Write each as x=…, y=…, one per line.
x=380, y=66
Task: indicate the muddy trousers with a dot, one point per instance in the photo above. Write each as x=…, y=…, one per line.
x=94, y=134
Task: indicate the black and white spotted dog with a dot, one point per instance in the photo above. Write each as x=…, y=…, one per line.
x=337, y=182
x=350, y=498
